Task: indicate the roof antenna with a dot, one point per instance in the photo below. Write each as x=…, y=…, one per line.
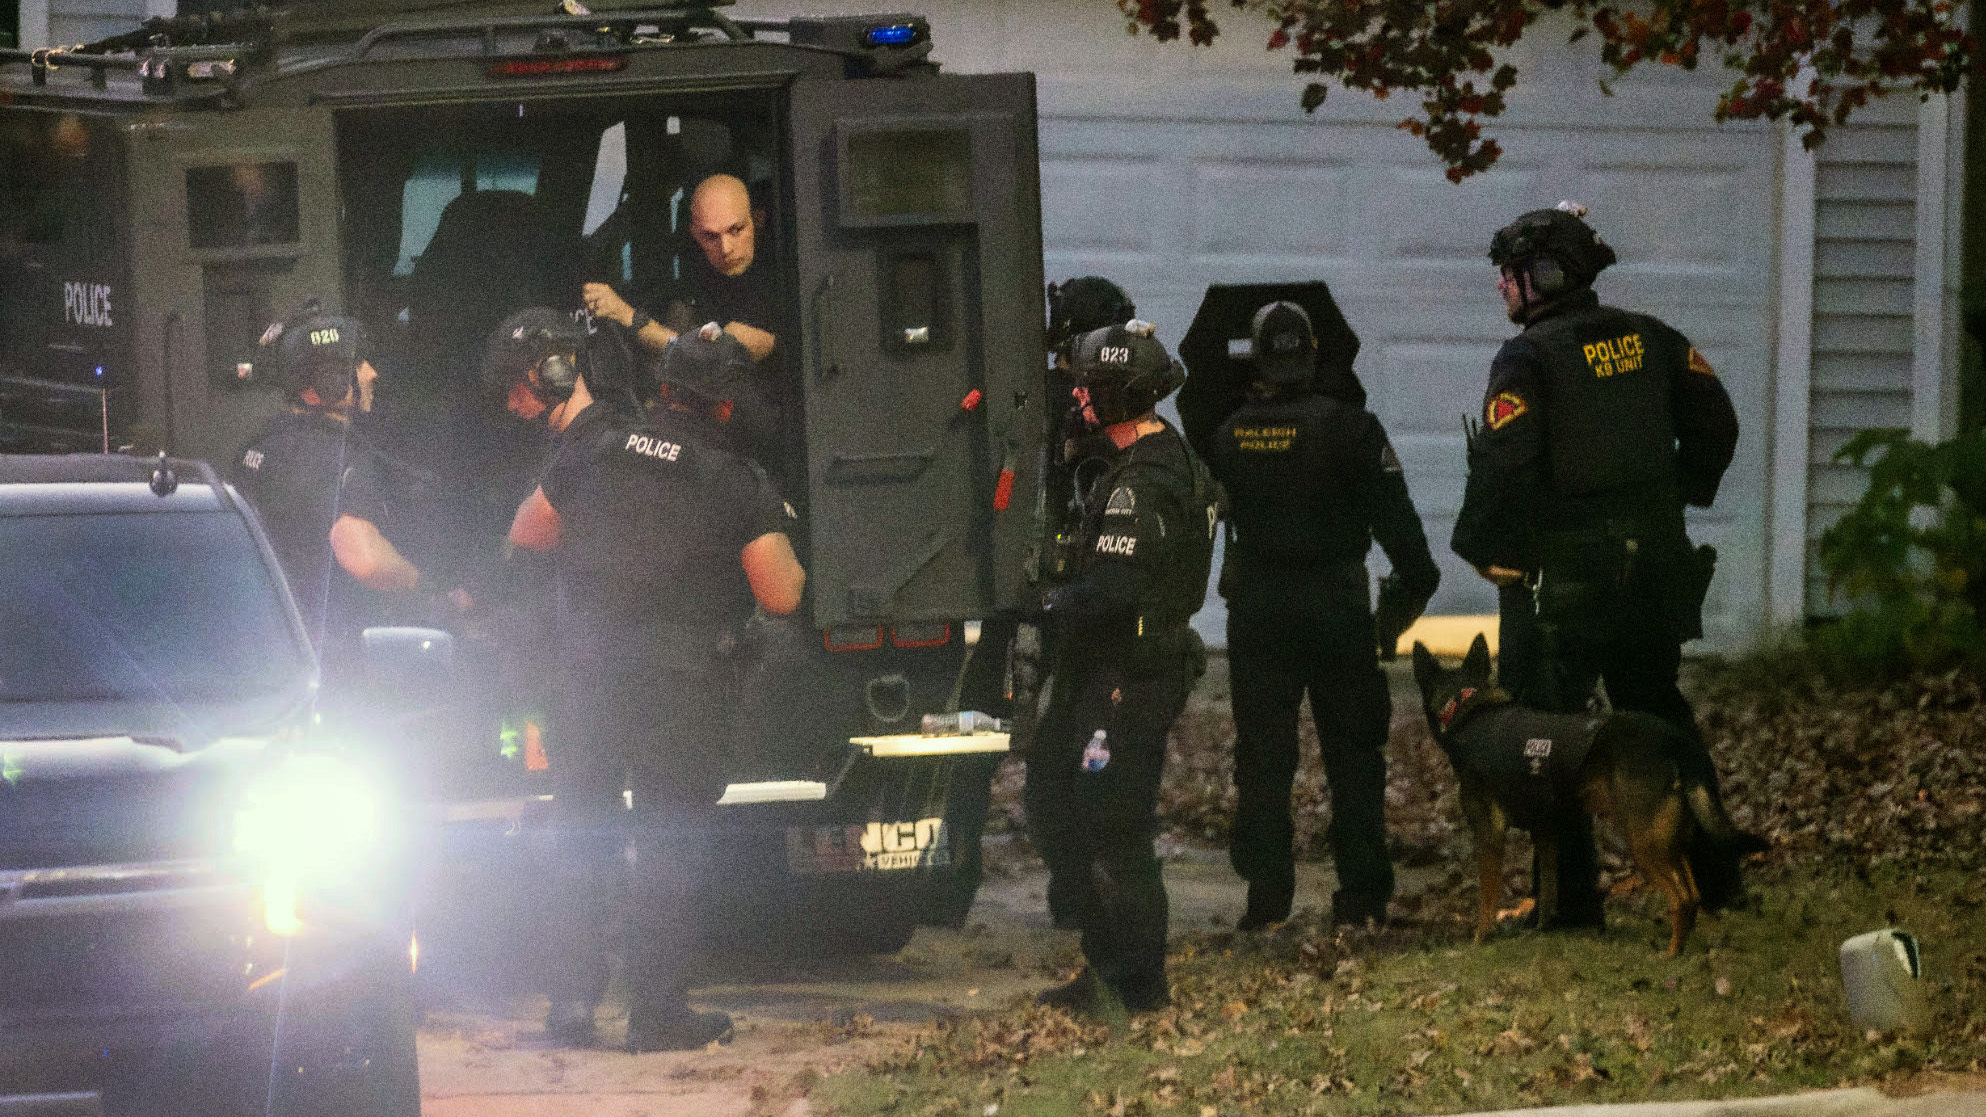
x=164, y=481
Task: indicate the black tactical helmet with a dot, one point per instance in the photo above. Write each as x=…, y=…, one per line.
x=317, y=352
x=540, y=337
x=1560, y=251
x=1282, y=344
x=707, y=361
x=1077, y=306
x=1125, y=370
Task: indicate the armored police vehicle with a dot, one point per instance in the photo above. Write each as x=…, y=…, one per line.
x=430, y=167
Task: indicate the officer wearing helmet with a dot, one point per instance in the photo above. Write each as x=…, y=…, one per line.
x=1599, y=425
x=705, y=376
x=322, y=490
x=663, y=542
x=1078, y=306
x=1311, y=482
x=1125, y=659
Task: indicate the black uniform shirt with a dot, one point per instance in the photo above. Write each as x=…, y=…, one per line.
x=1311, y=481
x=304, y=471
x=1145, y=546
x=652, y=523
x=1591, y=413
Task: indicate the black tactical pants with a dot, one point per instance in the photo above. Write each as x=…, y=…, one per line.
x=1534, y=674
x=1095, y=828
x=650, y=740
x=1624, y=641
x=1275, y=658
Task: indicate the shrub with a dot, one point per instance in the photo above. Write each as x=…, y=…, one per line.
x=1909, y=558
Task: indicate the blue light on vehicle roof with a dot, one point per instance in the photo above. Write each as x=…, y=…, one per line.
x=892, y=35
x=99, y=370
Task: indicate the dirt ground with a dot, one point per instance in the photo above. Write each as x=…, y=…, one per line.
x=490, y=1059
x=487, y=1056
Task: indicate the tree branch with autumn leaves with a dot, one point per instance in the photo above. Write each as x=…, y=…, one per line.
x=1812, y=62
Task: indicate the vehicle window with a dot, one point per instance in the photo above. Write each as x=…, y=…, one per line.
x=437, y=180
x=45, y=158
x=434, y=182
x=610, y=174
x=923, y=173
x=241, y=204
x=139, y=606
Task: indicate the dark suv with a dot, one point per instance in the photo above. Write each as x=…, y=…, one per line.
x=197, y=907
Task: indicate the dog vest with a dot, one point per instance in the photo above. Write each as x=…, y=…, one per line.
x=1527, y=760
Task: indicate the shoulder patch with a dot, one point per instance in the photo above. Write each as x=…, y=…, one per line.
x=1502, y=408
x=1123, y=502
x=1389, y=462
x=1698, y=364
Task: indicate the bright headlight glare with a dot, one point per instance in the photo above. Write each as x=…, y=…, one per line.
x=310, y=815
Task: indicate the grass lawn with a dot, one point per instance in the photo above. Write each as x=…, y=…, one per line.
x=1417, y=1019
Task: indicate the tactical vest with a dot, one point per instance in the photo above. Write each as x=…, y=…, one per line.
x=1290, y=467
x=1607, y=376
x=1188, y=556
x=1528, y=760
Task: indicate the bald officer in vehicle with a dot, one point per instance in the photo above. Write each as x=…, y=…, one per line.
x=663, y=543
x=720, y=287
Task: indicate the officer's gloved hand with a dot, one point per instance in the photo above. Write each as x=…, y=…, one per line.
x=1395, y=613
x=446, y=610
x=747, y=641
x=1042, y=611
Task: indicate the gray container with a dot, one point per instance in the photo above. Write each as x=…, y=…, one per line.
x=1883, y=976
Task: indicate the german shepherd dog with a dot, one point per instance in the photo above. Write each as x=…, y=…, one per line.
x=1524, y=768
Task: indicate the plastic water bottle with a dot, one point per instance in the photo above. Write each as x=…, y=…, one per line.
x=962, y=723
x=1096, y=754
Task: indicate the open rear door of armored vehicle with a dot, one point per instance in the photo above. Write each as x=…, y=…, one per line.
x=918, y=221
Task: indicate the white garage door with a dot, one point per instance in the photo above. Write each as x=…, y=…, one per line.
x=1168, y=168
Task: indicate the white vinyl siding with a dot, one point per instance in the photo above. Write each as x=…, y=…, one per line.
x=1865, y=255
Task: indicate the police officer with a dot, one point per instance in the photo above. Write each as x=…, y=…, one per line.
x=1598, y=426
x=662, y=544
x=720, y=281
x=1311, y=482
x=1125, y=660
x=320, y=487
x=1080, y=305
x=1008, y=680
x=706, y=374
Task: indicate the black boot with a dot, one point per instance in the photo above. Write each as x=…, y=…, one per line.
x=1143, y=994
x=570, y=1023
x=1078, y=997
x=674, y=1027
x=1356, y=909
x=1267, y=904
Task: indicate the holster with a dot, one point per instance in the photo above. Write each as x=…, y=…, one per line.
x=1702, y=567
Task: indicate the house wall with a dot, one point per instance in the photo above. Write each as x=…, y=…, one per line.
x=1865, y=263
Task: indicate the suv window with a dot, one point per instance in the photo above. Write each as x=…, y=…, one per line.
x=140, y=606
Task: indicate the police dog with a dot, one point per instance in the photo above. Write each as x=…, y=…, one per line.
x=1523, y=767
